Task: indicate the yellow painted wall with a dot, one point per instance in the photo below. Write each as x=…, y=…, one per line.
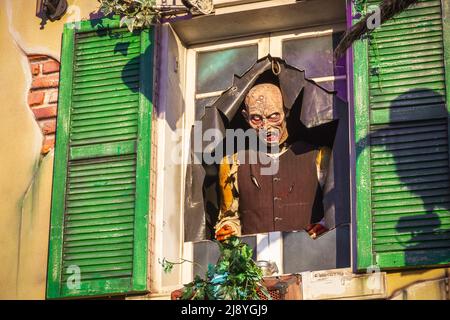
x=25, y=178
x=418, y=284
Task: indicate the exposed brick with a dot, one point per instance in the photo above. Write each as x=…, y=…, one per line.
x=50, y=67
x=45, y=82
x=36, y=98
x=43, y=96
x=35, y=69
x=52, y=96
x=45, y=112
x=48, y=144
x=37, y=57
x=48, y=126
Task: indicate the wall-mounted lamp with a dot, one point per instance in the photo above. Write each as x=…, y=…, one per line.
x=53, y=9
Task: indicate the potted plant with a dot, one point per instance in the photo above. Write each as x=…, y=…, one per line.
x=235, y=276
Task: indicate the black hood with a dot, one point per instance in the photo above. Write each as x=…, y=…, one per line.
x=310, y=104
x=317, y=105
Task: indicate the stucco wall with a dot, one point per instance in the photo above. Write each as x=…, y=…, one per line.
x=405, y=281
x=25, y=177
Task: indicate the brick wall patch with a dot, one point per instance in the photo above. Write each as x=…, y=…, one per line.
x=43, y=96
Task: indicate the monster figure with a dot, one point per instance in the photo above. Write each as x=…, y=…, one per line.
x=299, y=179
x=290, y=197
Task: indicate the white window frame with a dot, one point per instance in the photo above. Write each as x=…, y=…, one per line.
x=263, y=49
x=191, y=65
x=277, y=38
x=269, y=245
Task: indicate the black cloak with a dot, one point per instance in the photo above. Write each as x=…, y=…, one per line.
x=308, y=106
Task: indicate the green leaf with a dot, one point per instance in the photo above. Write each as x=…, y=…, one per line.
x=167, y=265
x=223, y=266
x=235, y=275
x=265, y=292
x=187, y=293
x=135, y=14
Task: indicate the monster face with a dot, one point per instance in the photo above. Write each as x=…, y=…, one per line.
x=265, y=113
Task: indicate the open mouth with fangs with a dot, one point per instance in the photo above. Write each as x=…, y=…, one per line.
x=272, y=136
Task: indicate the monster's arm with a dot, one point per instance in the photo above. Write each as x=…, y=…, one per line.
x=228, y=221
x=322, y=163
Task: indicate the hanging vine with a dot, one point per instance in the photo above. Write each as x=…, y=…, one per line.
x=360, y=5
x=135, y=14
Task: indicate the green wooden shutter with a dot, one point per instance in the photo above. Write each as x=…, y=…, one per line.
x=100, y=200
x=402, y=94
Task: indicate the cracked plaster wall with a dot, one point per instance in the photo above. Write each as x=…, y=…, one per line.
x=25, y=175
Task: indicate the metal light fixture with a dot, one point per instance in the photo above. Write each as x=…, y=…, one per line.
x=54, y=9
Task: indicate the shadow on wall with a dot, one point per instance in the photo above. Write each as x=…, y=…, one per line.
x=410, y=179
x=123, y=48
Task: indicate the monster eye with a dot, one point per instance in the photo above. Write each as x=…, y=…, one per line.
x=274, y=117
x=255, y=119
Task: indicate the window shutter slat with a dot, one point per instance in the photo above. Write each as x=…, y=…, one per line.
x=101, y=175
x=402, y=131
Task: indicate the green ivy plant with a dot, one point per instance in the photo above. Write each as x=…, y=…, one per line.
x=135, y=14
x=360, y=5
x=235, y=276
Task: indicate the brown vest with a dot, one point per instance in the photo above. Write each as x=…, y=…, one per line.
x=288, y=199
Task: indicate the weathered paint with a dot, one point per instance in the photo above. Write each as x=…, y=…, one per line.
x=21, y=139
x=446, y=36
x=362, y=180
x=171, y=66
x=397, y=281
x=141, y=221
x=94, y=159
x=25, y=178
x=26, y=25
x=402, y=142
x=32, y=268
x=342, y=284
